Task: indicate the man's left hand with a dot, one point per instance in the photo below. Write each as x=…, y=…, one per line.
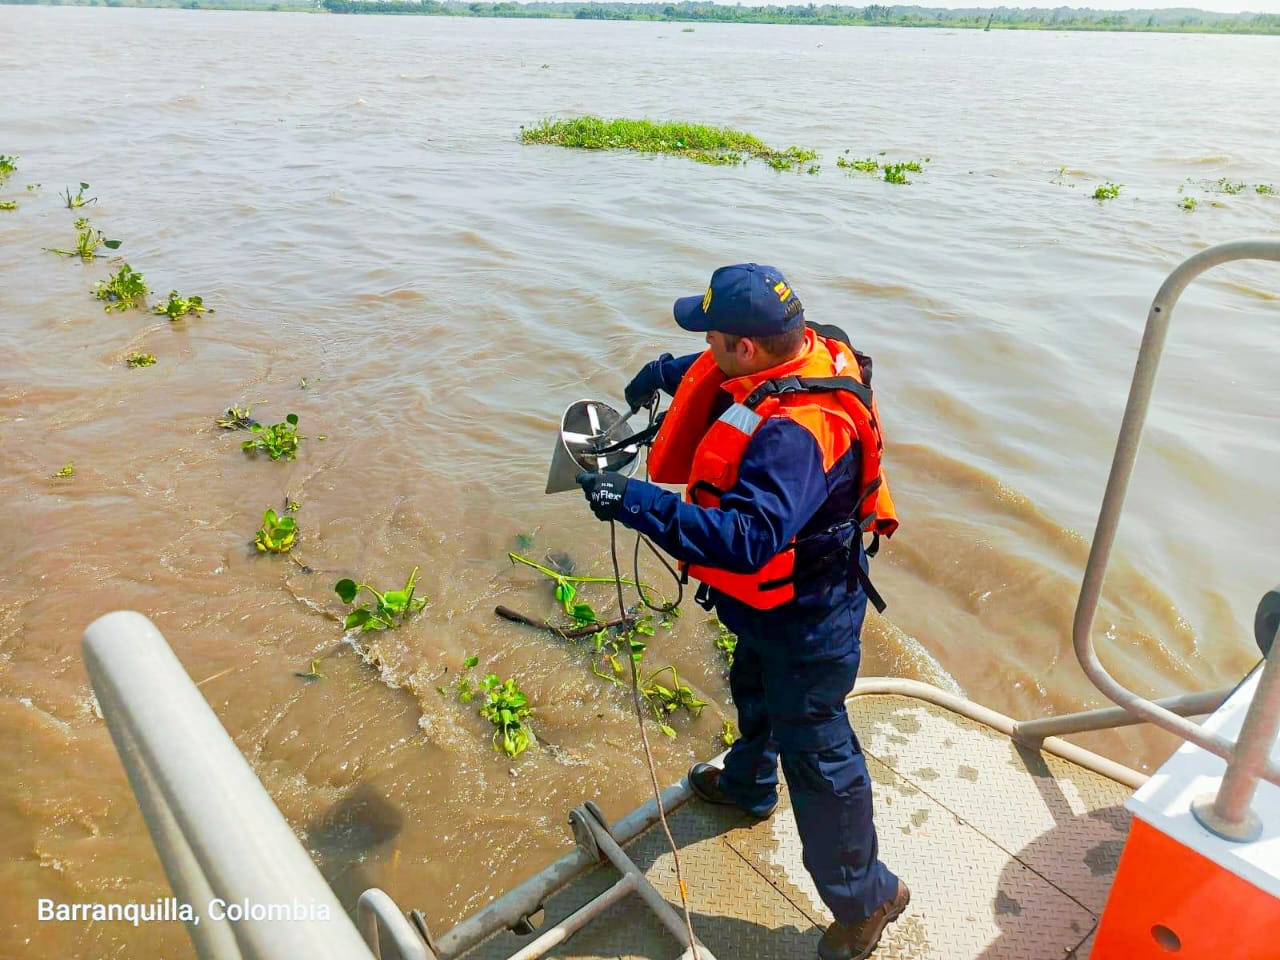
x=604, y=492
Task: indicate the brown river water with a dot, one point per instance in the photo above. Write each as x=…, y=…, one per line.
x=351, y=197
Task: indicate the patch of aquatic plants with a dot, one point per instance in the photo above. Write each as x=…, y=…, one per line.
x=122, y=290
x=8, y=204
x=276, y=441
x=728, y=733
x=705, y=144
x=276, y=534
x=177, y=306
x=726, y=641
x=8, y=165
x=505, y=706
x=387, y=610
x=1107, y=191
x=79, y=199
x=566, y=590
x=141, y=359
x=866, y=165
x=892, y=172
x=664, y=699
x=88, y=241
x=66, y=472
x=1188, y=203
x=1265, y=189
x=236, y=418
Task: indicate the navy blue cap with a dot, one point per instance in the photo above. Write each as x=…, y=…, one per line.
x=746, y=300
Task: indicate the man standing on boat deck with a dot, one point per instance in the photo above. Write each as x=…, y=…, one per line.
x=774, y=432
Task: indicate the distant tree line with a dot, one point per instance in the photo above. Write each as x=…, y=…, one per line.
x=1181, y=20
x=1005, y=18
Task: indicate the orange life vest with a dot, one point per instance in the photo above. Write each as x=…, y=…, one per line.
x=826, y=390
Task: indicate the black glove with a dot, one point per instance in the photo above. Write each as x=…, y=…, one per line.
x=644, y=386
x=604, y=492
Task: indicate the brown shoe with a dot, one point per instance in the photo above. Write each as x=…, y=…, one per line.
x=704, y=780
x=856, y=941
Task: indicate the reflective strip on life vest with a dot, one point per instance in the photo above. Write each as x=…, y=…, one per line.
x=741, y=417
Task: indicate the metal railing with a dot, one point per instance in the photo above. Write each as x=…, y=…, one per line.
x=225, y=847
x=1249, y=759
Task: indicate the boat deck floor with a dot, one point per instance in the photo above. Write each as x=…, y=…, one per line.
x=1009, y=855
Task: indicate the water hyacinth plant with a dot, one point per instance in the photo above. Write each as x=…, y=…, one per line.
x=566, y=590
x=236, y=419
x=122, y=290
x=79, y=200
x=276, y=441
x=276, y=534
x=705, y=144
x=67, y=471
x=87, y=242
x=176, y=307
x=141, y=360
x=8, y=204
x=507, y=708
x=8, y=165
x=389, y=609
x=1107, y=191
x=726, y=641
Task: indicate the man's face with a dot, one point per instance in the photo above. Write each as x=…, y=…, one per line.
x=726, y=353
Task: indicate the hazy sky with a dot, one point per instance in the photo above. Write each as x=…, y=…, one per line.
x=1223, y=6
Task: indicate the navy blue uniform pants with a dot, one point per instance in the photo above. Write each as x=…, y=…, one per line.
x=796, y=711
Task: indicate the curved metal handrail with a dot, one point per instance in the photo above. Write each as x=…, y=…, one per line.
x=1113, y=502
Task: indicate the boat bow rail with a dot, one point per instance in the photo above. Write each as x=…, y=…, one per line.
x=1227, y=813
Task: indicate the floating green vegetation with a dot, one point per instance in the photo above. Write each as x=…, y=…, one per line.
x=1188, y=203
x=897, y=172
x=276, y=441
x=68, y=471
x=716, y=145
x=141, y=359
x=893, y=172
x=122, y=290
x=1265, y=189
x=177, y=307
x=389, y=609
x=8, y=165
x=566, y=590
x=507, y=708
x=32, y=187
x=621, y=640
x=236, y=419
x=276, y=534
x=79, y=199
x=87, y=242
x=1227, y=186
x=664, y=699
x=1107, y=191
x=687, y=30
x=8, y=204
x=867, y=165
x=313, y=672
x=726, y=641
x=728, y=734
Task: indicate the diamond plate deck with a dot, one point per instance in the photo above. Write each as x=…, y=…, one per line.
x=1009, y=855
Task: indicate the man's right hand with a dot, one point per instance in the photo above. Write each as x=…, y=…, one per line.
x=644, y=386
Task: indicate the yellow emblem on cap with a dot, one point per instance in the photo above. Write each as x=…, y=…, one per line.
x=782, y=290
x=706, y=300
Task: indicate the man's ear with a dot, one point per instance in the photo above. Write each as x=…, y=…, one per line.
x=747, y=349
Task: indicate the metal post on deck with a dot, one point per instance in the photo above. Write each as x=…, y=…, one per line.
x=1228, y=813
x=219, y=835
